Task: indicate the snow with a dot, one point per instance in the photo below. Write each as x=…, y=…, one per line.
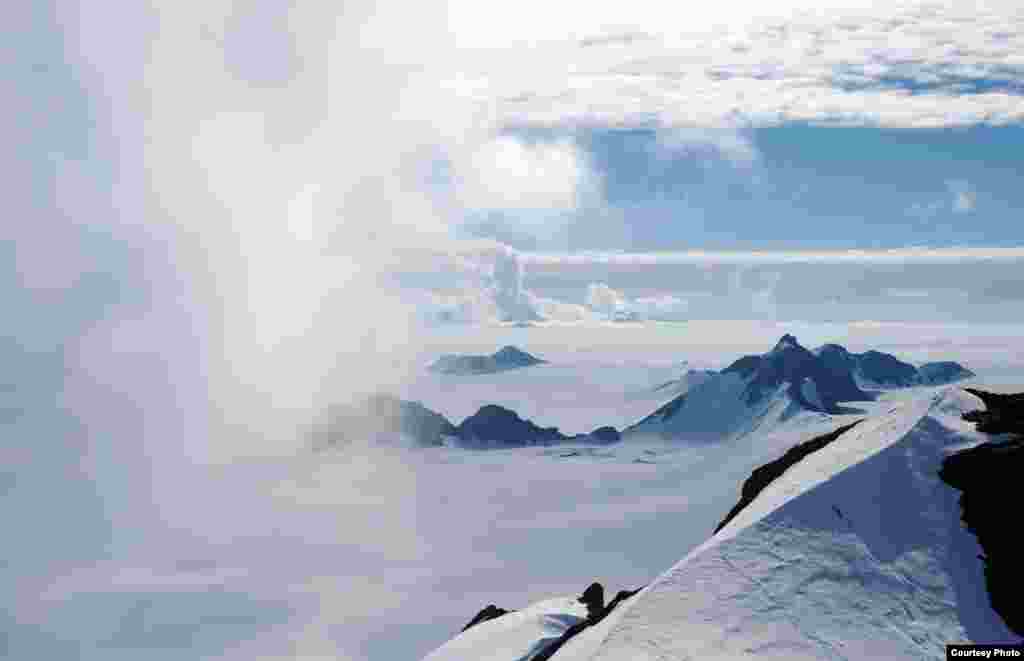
x=516, y=636
x=809, y=391
x=856, y=552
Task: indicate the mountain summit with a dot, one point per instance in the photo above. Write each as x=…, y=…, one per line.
x=753, y=391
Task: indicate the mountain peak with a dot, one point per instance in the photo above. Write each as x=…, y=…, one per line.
x=787, y=341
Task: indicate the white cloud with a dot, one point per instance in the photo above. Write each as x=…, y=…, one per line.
x=507, y=172
x=603, y=298
x=912, y=64
x=894, y=255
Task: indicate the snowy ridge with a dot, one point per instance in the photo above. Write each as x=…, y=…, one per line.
x=515, y=636
x=855, y=552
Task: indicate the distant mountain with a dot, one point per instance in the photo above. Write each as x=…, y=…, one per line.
x=689, y=379
x=506, y=358
x=753, y=391
x=942, y=373
x=384, y=418
x=876, y=369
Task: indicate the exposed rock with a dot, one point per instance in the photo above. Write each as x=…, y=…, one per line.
x=768, y=473
x=593, y=597
x=885, y=370
x=488, y=613
x=791, y=363
x=496, y=426
x=606, y=435
x=986, y=474
x=1002, y=414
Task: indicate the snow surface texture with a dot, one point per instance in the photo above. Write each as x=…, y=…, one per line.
x=856, y=552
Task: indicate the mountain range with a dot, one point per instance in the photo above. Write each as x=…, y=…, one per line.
x=757, y=392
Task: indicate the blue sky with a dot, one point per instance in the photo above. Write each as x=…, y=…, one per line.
x=804, y=188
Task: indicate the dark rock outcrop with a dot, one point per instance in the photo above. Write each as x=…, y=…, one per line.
x=593, y=597
x=605, y=435
x=597, y=610
x=1002, y=414
x=984, y=474
x=506, y=358
x=841, y=366
x=488, y=613
x=768, y=473
x=885, y=370
x=496, y=426
x=791, y=363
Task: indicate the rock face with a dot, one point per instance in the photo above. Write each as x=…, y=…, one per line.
x=506, y=358
x=885, y=370
x=1002, y=414
x=496, y=426
x=489, y=612
x=768, y=473
x=983, y=474
x=791, y=363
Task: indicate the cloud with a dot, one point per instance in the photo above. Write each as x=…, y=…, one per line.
x=603, y=298
x=509, y=173
x=908, y=65
x=894, y=255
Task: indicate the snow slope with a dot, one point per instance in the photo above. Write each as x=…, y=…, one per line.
x=855, y=552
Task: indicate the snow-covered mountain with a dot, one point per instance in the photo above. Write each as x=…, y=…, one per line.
x=506, y=358
x=876, y=369
x=689, y=379
x=753, y=393
x=856, y=550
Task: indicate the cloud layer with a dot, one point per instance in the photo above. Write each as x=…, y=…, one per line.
x=910, y=64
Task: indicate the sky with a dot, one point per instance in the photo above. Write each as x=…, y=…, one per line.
x=221, y=218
